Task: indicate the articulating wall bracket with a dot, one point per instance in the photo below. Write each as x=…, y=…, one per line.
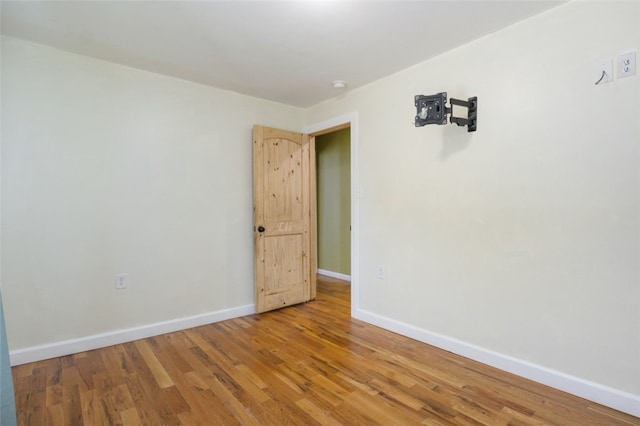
x=432, y=109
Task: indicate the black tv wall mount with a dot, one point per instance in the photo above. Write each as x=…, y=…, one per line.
x=432, y=109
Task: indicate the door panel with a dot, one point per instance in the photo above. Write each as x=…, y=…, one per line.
x=284, y=181
x=282, y=218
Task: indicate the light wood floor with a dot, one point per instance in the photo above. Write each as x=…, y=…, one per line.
x=303, y=365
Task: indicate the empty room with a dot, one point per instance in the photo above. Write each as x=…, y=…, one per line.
x=320, y=212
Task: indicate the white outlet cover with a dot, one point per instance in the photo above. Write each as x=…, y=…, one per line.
x=121, y=281
x=605, y=66
x=626, y=64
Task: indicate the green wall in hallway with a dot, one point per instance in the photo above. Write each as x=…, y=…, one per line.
x=333, y=161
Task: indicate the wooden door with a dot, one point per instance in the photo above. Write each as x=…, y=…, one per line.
x=284, y=238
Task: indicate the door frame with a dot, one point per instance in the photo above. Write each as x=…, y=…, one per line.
x=343, y=121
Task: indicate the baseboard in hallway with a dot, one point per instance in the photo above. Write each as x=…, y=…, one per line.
x=336, y=275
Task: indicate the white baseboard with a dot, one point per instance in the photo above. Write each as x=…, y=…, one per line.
x=336, y=275
x=67, y=347
x=610, y=397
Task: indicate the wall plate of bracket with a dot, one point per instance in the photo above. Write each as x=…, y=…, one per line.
x=433, y=109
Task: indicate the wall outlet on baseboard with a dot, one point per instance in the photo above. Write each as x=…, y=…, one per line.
x=122, y=281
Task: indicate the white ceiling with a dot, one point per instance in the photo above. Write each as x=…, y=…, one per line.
x=288, y=52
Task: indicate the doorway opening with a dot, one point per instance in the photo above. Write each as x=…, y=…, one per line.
x=347, y=121
x=333, y=203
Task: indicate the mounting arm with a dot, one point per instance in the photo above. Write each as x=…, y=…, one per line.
x=433, y=110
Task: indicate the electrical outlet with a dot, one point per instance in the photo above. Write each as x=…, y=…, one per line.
x=626, y=64
x=380, y=272
x=121, y=281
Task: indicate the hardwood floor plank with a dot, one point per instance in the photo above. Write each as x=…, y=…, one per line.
x=142, y=388
x=196, y=392
x=302, y=365
x=253, y=376
x=55, y=415
x=91, y=408
x=377, y=410
x=53, y=395
x=249, y=386
x=235, y=410
x=35, y=397
x=322, y=390
x=396, y=392
x=130, y=417
x=71, y=377
x=170, y=344
x=71, y=405
x=24, y=370
x=323, y=417
x=514, y=417
x=159, y=373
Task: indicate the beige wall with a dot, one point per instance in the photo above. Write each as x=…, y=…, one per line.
x=522, y=239
x=108, y=169
x=334, y=201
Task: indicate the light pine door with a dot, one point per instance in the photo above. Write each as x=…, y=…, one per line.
x=283, y=235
